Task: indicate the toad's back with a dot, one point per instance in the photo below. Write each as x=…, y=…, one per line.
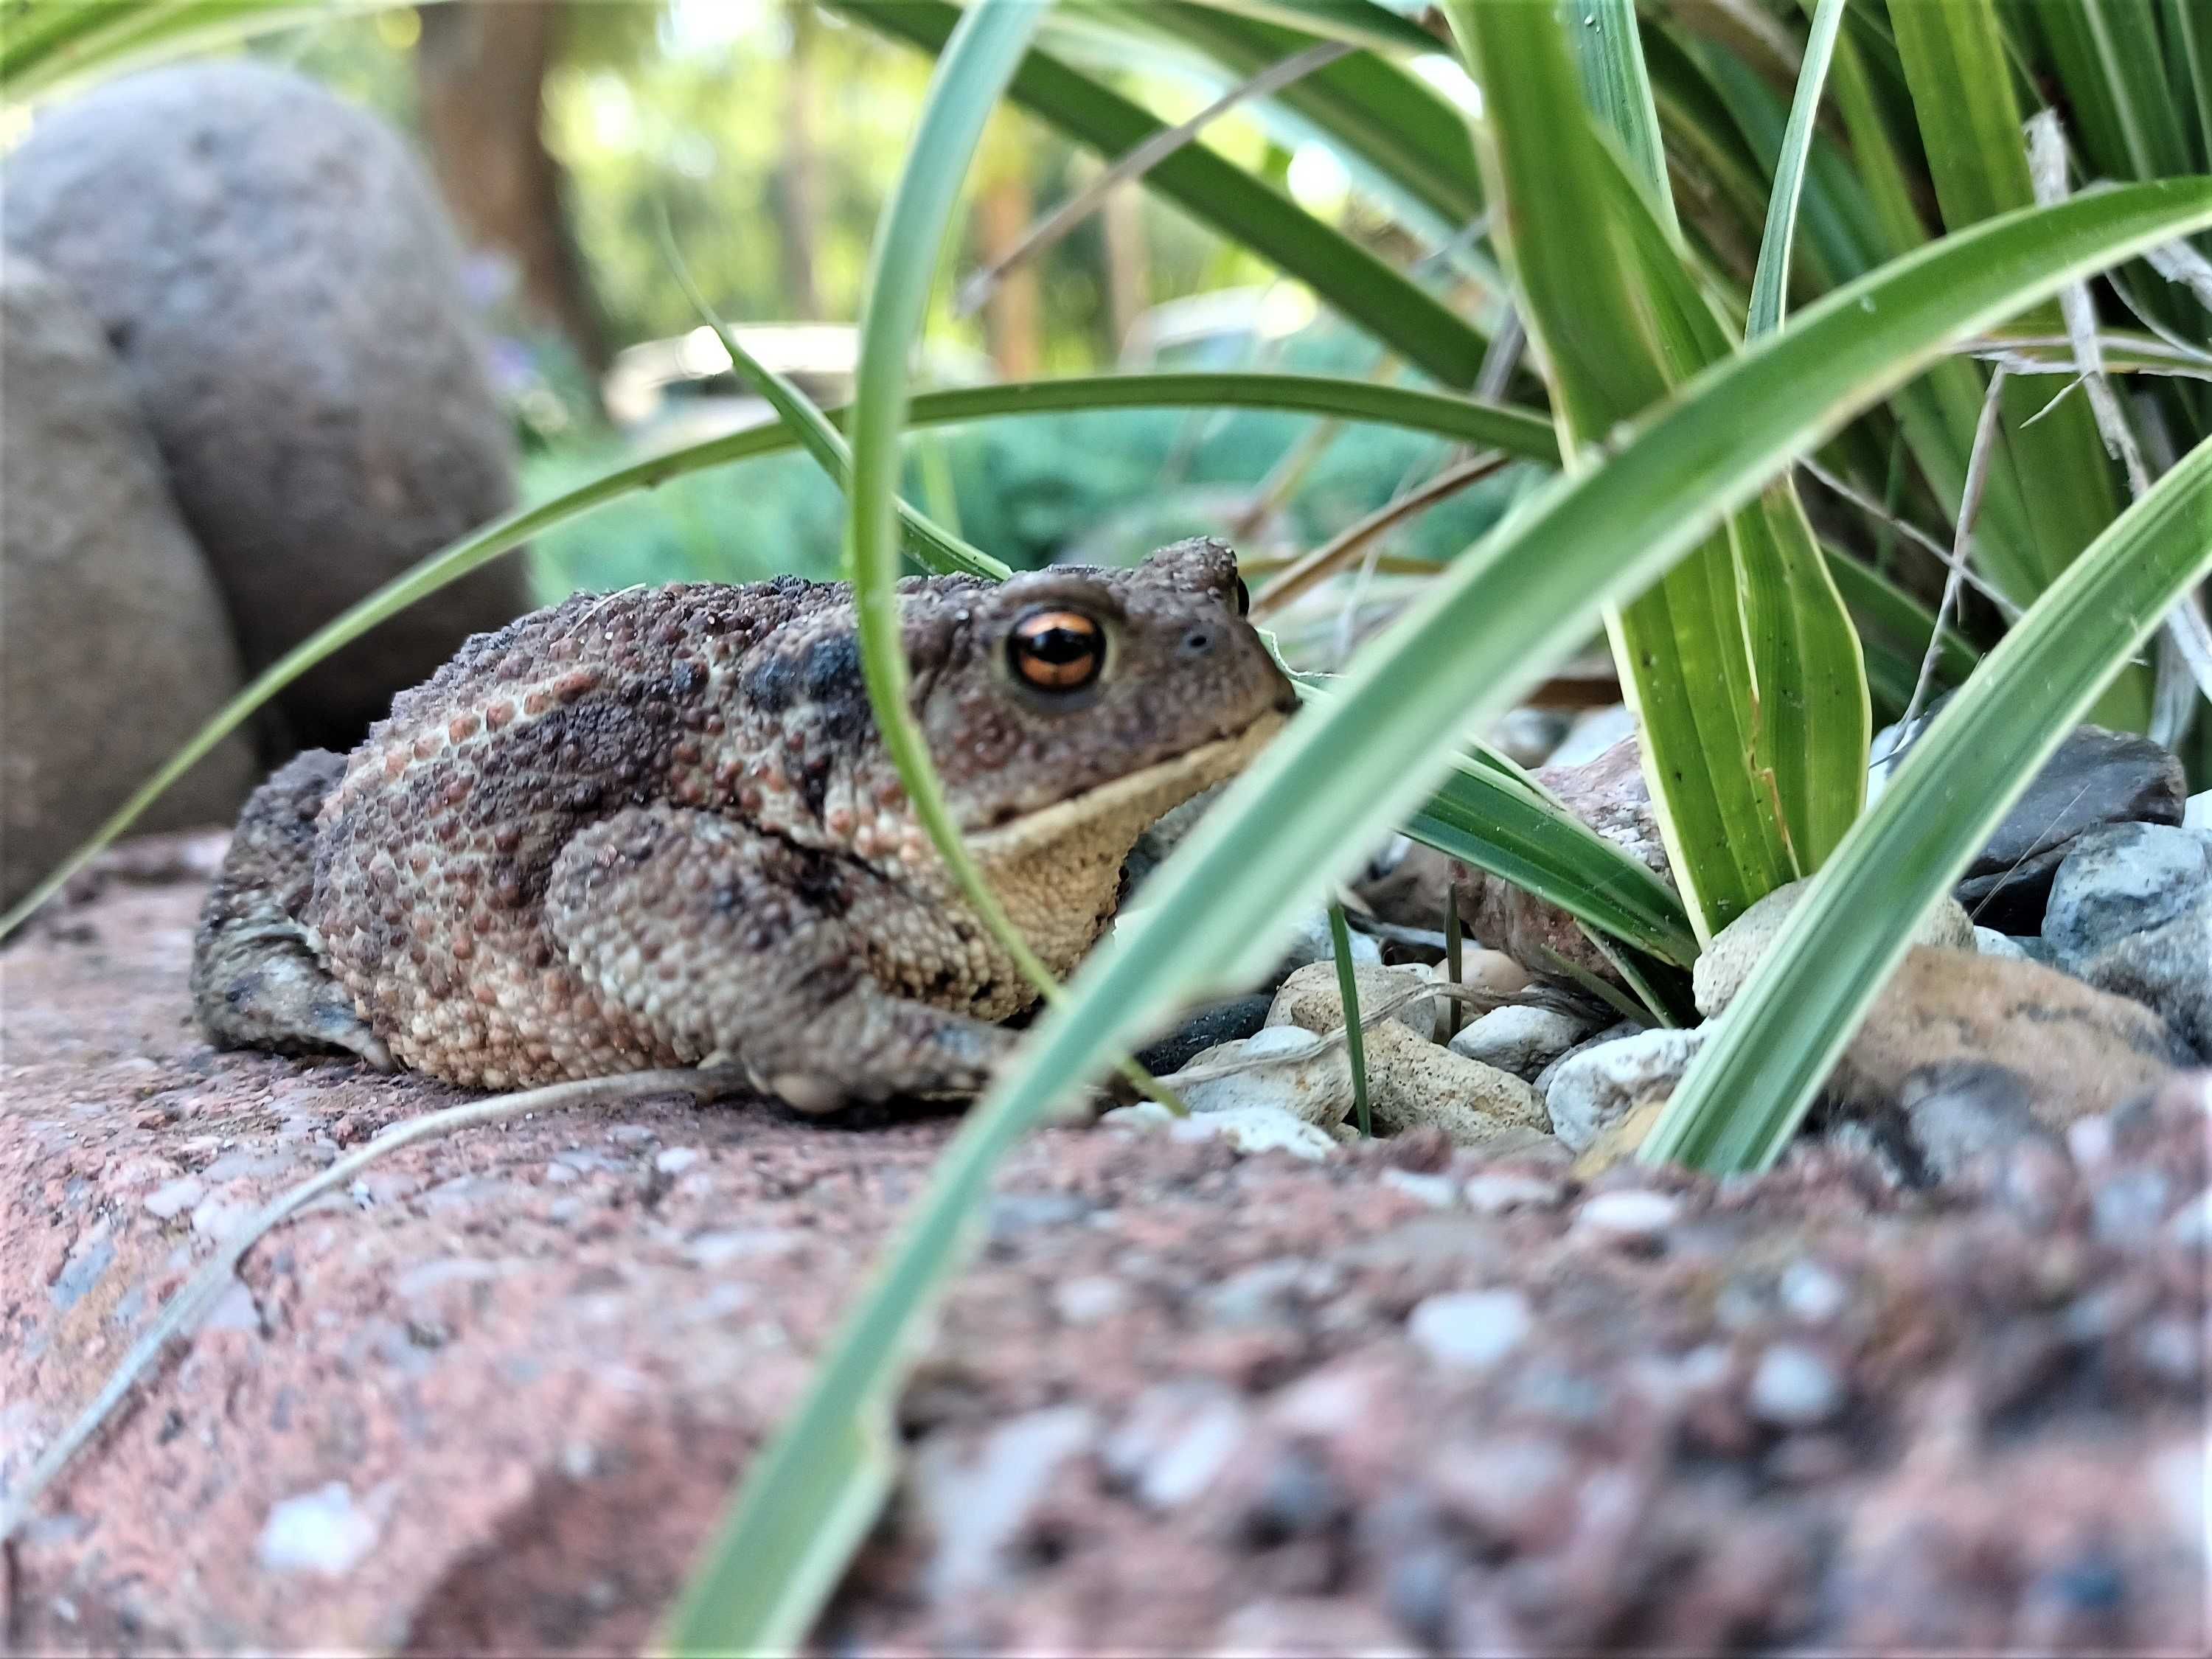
x=436, y=849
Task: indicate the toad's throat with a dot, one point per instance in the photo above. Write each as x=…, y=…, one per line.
x=1144, y=794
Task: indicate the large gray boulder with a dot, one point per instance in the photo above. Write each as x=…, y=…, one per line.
x=113, y=644
x=274, y=273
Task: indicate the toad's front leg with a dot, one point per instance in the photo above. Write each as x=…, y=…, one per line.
x=738, y=946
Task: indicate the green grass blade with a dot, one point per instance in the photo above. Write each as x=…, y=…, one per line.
x=1894, y=628
x=1355, y=1039
x=1464, y=419
x=1489, y=629
x=1377, y=28
x=933, y=547
x=1609, y=51
x=1956, y=65
x=1395, y=309
x=1503, y=825
x=53, y=49
x=1742, y=663
x=2123, y=112
x=1769, y=283
x=2192, y=24
x=1376, y=112
x=766, y=1574
x=1751, y=1086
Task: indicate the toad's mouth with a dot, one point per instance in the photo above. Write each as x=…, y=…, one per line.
x=1148, y=793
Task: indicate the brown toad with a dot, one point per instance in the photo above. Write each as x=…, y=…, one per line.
x=658, y=828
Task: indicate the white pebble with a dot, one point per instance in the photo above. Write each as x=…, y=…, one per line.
x=1812, y=1292
x=2191, y=1226
x=1632, y=1215
x=173, y=1198
x=1794, y=1388
x=321, y=1531
x=1177, y=1438
x=1494, y=1191
x=1436, y=1191
x=675, y=1160
x=1256, y=1129
x=1087, y=1301
x=2089, y=1140
x=1470, y=1329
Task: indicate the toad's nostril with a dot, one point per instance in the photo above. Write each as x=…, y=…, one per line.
x=1198, y=642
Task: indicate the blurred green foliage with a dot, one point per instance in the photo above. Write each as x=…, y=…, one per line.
x=1102, y=486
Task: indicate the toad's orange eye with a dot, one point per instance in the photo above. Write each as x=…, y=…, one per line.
x=1057, y=650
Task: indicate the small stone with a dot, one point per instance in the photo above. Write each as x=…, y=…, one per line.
x=677, y=1159
x=2073, y=1051
x=1606, y=791
x=2094, y=779
x=1595, y=1088
x=2191, y=1226
x=1310, y=1627
x=1991, y=943
x=2130, y=913
x=975, y=1508
x=1143, y=1116
x=2128, y=1208
x=1251, y=1129
x=1521, y=1040
x=323, y=1531
x=1311, y=998
x=1087, y=1300
x=1313, y=944
x=1812, y=1291
x=173, y=1198
x=1957, y=1113
x=1411, y=1082
x=1470, y=1330
x=218, y=1216
x=1530, y=736
x=1177, y=1438
x=2123, y=880
x=1437, y=1192
x=1494, y=1191
x=1727, y=963
x=1626, y=1028
x=1794, y=1387
x=1311, y=1083
x=1631, y=1213
x=1594, y=734
x=1620, y=1141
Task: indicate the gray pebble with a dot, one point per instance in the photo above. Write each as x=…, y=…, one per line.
x=1471, y=1330
x=1795, y=1386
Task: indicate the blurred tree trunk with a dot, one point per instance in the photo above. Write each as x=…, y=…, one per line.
x=1129, y=261
x=798, y=197
x=480, y=72
x=1012, y=319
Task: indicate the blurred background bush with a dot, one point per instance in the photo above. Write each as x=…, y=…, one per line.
x=560, y=133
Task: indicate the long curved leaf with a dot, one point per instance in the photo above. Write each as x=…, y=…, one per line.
x=1494, y=821
x=766, y=1574
x=1741, y=662
x=47, y=50
x=1750, y=1087
x=1770, y=284
x=1376, y=112
x=1492, y=625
